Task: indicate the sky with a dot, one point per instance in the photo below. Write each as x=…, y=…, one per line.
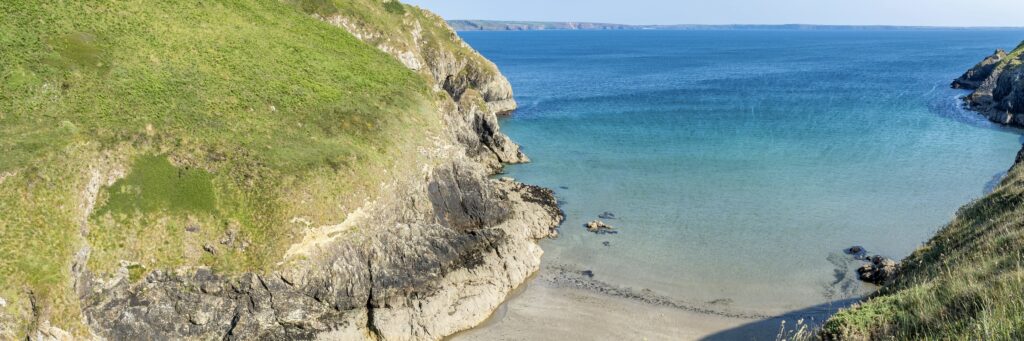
x=826, y=12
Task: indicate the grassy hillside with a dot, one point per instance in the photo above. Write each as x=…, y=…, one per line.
x=220, y=121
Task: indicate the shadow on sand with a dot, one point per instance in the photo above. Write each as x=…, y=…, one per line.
x=769, y=329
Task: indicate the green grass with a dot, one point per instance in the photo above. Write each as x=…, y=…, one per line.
x=394, y=7
x=227, y=118
x=154, y=185
x=391, y=21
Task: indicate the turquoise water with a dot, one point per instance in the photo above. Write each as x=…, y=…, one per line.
x=741, y=163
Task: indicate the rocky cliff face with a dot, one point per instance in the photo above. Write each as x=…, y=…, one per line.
x=427, y=269
x=998, y=84
x=434, y=255
x=973, y=78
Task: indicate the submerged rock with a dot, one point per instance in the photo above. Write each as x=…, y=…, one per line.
x=606, y=243
x=607, y=215
x=880, y=270
x=600, y=227
x=587, y=273
x=858, y=252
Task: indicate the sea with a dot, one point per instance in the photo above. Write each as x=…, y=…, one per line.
x=739, y=164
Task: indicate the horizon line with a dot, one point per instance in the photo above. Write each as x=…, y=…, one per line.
x=540, y=22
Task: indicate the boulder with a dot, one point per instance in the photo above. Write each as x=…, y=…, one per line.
x=880, y=270
x=858, y=252
x=600, y=227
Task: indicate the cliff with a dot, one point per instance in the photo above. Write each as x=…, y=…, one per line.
x=254, y=170
x=998, y=84
x=966, y=282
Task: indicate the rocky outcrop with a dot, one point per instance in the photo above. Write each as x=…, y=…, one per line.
x=998, y=84
x=973, y=78
x=478, y=130
x=433, y=255
x=879, y=270
x=406, y=279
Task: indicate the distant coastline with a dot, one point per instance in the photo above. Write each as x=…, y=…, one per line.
x=499, y=25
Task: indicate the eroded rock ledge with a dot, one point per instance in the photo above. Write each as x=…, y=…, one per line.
x=402, y=281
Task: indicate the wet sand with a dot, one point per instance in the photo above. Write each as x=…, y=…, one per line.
x=543, y=312
x=562, y=303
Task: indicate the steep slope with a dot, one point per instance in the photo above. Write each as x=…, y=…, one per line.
x=253, y=169
x=425, y=43
x=967, y=282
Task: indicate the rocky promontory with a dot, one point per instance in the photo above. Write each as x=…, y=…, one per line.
x=998, y=84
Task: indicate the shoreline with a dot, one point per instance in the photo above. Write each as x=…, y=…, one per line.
x=571, y=313
x=561, y=303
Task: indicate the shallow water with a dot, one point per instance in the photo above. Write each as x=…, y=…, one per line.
x=741, y=163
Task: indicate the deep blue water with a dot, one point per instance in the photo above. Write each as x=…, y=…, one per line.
x=741, y=163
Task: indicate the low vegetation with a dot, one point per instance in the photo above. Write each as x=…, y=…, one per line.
x=216, y=121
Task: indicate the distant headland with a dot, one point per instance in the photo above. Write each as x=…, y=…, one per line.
x=498, y=25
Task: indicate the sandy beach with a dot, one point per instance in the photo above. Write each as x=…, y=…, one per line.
x=545, y=312
x=561, y=304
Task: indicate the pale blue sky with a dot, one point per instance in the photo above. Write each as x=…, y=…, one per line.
x=841, y=12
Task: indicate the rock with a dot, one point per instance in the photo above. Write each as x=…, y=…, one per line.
x=607, y=215
x=973, y=78
x=587, y=273
x=193, y=228
x=210, y=248
x=401, y=281
x=880, y=270
x=229, y=237
x=600, y=227
x=46, y=331
x=858, y=252
x=998, y=85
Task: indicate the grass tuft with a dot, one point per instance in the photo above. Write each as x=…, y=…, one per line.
x=154, y=185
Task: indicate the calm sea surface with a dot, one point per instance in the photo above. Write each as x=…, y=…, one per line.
x=741, y=163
